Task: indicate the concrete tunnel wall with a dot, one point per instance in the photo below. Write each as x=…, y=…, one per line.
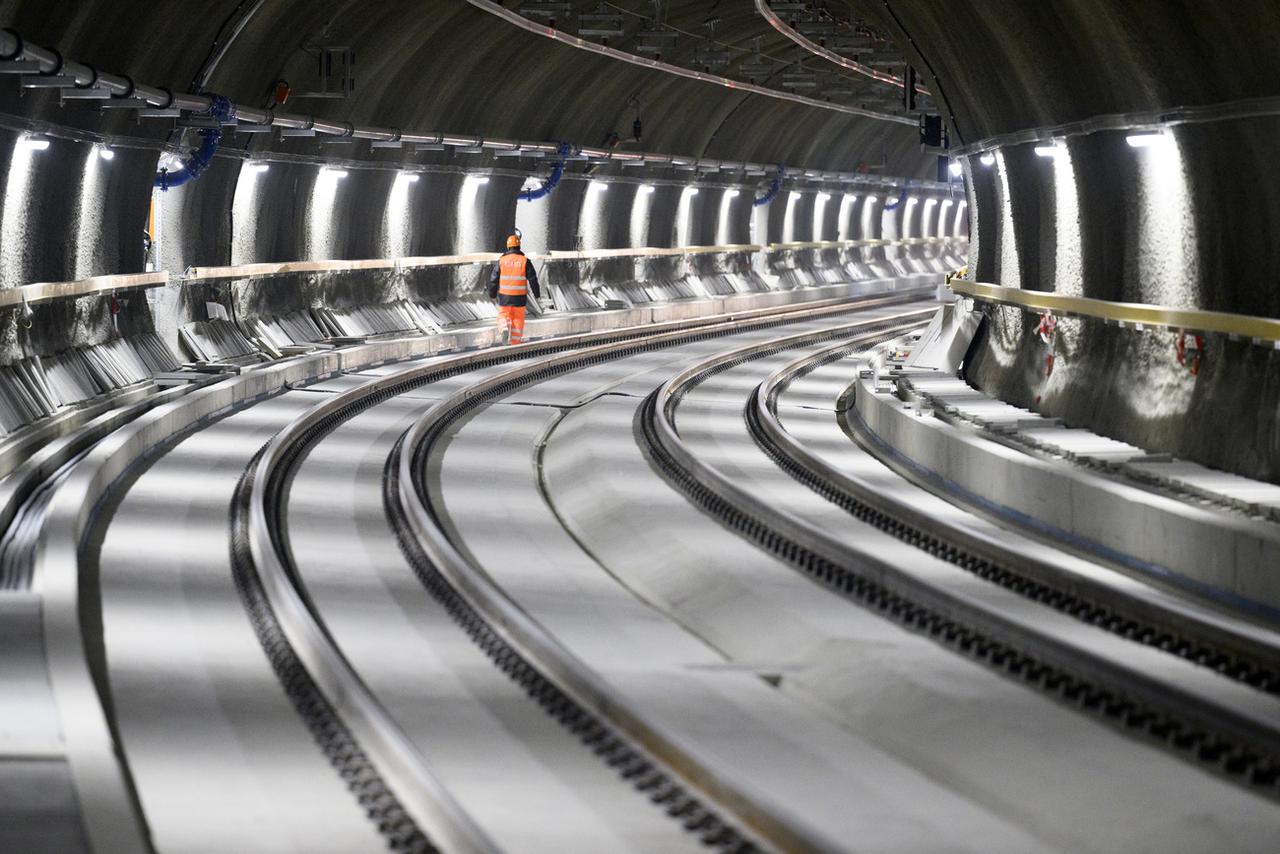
x=240, y=213
x=1163, y=224
x=1188, y=222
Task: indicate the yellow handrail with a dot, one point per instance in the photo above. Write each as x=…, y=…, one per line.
x=1126, y=313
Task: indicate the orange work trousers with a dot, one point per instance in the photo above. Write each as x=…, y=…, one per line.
x=511, y=323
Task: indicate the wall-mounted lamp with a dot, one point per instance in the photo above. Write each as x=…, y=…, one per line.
x=106, y=153
x=259, y=167
x=956, y=168
x=334, y=173
x=1144, y=140
x=409, y=177
x=33, y=143
x=987, y=159
x=647, y=188
x=599, y=186
x=1052, y=150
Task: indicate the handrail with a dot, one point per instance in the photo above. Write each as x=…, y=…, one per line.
x=44, y=291
x=255, y=271
x=1138, y=315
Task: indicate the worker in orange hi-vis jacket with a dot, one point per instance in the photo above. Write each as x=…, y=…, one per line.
x=510, y=283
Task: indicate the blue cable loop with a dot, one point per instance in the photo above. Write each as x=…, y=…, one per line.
x=773, y=189
x=902, y=197
x=193, y=166
x=548, y=185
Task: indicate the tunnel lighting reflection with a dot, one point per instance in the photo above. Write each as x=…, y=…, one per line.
x=1145, y=140
x=868, y=218
x=13, y=218
x=244, y=214
x=472, y=235
x=789, y=218
x=106, y=153
x=684, y=218
x=956, y=168
x=987, y=160
x=640, y=215
x=89, y=217
x=323, y=197
x=942, y=218
x=846, y=210
x=592, y=221
x=724, y=221
x=396, y=218
x=819, y=214
x=1166, y=226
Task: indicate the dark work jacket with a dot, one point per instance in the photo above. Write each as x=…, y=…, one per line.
x=529, y=274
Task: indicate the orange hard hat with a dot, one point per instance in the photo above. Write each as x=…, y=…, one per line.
x=513, y=241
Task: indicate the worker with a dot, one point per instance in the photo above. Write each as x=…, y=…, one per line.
x=510, y=283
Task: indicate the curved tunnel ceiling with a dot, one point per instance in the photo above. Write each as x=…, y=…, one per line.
x=451, y=67
x=1011, y=65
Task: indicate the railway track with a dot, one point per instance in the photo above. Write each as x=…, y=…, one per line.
x=355, y=520
x=1167, y=670
x=358, y=733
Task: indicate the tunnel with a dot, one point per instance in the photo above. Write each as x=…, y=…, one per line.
x=639, y=426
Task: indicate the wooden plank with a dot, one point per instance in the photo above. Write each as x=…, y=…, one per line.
x=45, y=291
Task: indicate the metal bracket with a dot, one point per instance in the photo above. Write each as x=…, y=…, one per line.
x=20, y=66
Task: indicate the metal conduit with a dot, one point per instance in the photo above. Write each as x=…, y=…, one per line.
x=51, y=62
x=818, y=50
x=679, y=71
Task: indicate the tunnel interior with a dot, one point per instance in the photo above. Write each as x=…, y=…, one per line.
x=867, y=332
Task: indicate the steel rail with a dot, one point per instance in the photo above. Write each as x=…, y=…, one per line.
x=1242, y=743
x=1232, y=648
x=552, y=33
x=400, y=766
x=1126, y=314
x=510, y=632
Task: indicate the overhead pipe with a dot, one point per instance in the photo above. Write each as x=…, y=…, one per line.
x=50, y=62
x=831, y=56
x=773, y=189
x=519, y=20
x=557, y=171
x=200, y=159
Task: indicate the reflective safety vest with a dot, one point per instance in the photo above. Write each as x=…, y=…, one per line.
x=511, y=278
